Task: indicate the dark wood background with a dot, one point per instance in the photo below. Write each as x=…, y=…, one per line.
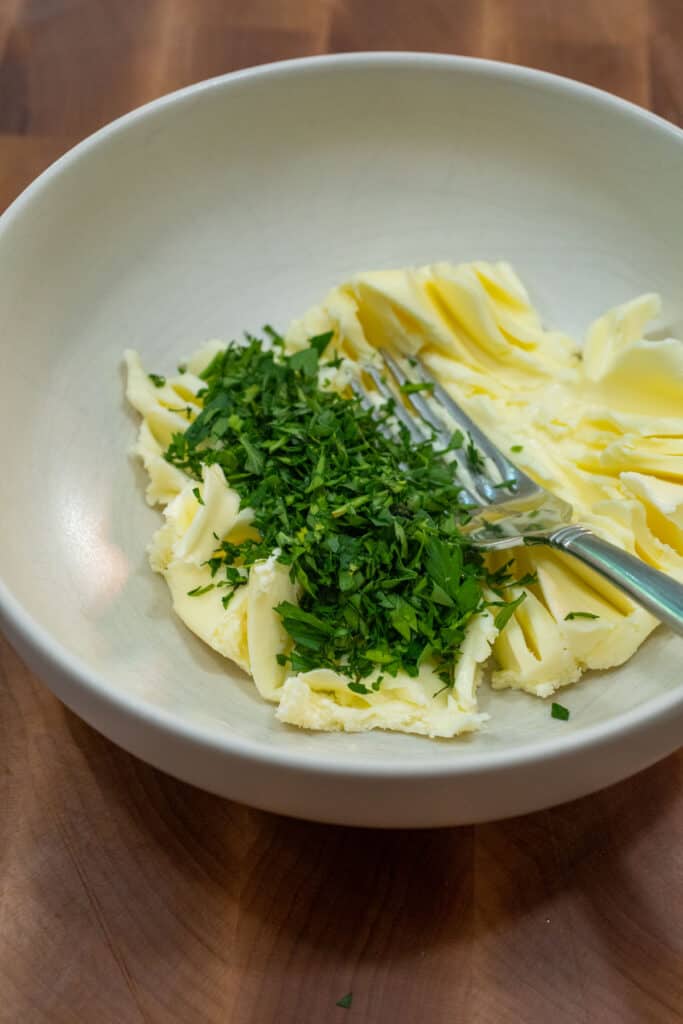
x=127, y=897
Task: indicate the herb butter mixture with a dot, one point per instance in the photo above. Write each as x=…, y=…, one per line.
x=311, y=541
x=367, y=524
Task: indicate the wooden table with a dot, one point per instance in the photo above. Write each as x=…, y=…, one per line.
x=126, y=896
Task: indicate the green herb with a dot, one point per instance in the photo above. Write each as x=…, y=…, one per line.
x=507, y=485
x=157, y=380
x=528, y=580
x=345, y=1001
x=275, y=336
x=580, y=615
x=412, y=387
x=559, y=711
x=306, y=361
x=367, y=522
x=496, y=529
x=321, y=341
x=507, y=611
x=516, y=447
x=197, y=494
x=198, y=591
x=475, y=460
x=182, y=368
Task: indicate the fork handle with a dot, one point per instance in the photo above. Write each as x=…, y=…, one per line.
x=661, y=595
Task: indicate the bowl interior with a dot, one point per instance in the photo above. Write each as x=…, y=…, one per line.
x=239, y=203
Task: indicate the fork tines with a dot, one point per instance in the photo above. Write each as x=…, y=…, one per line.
x=431, y=414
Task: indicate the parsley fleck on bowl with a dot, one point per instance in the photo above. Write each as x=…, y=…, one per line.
x=240, y=201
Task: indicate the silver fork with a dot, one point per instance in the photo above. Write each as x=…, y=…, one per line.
x=512, y=509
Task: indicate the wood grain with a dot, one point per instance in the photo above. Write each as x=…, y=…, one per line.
x=128, y=897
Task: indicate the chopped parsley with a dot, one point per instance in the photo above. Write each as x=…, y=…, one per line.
x=412, y=387
x=516, y=447
x=345, y=1001
x=367, y=521
x=559, y=711
x=198, y=591
x=475, y=459
x=198, y=495
x=507, y=611
x=529, y=579
x=157, y=380
x=579, y=615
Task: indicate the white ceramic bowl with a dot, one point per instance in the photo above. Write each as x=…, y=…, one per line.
x=240, y=201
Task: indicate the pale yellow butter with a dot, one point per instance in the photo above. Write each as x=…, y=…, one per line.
x=601, y=426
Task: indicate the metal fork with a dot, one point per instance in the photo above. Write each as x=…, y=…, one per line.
x=511, y=508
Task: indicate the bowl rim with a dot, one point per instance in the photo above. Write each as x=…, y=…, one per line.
x=17, y=621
